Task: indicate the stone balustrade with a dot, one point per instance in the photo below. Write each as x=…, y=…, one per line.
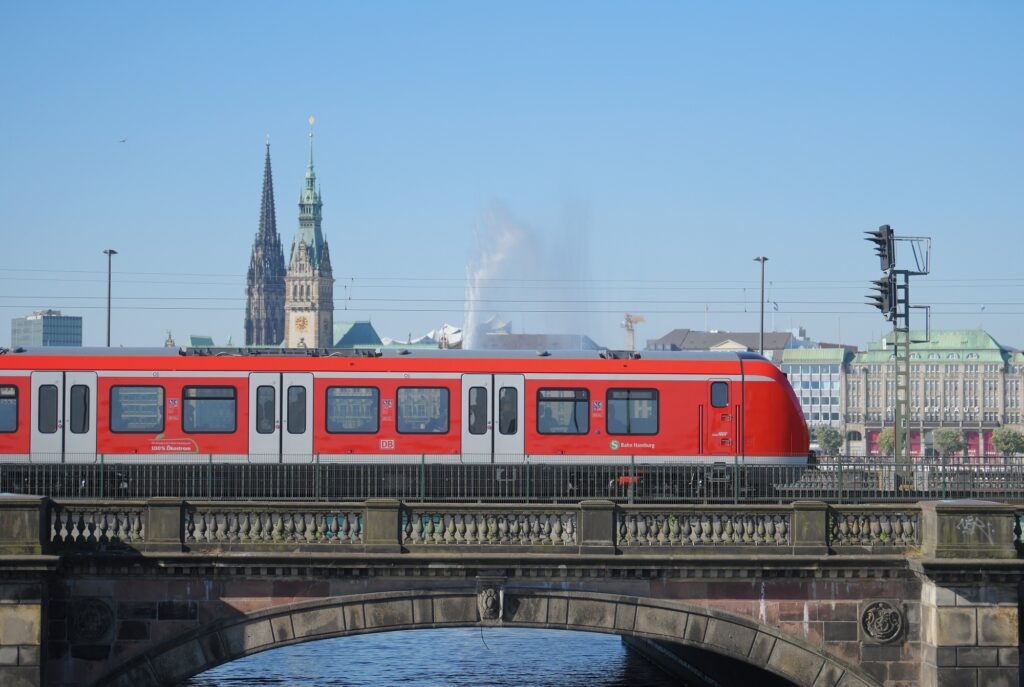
x=482, y=526
x=87, y=525
x=271, y=524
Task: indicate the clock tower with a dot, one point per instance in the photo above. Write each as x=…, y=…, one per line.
x=309, y=284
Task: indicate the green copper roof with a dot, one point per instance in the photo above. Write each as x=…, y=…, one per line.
x=310, y=216
x=835, y=356
x=951, y=346
x=352, y=334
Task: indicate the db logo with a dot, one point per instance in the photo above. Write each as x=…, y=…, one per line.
x=387, y=444
x=387, y=404
x=598, y=405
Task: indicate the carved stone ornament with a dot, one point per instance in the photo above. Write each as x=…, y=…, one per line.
x=882, y=621
x=489, y=601
x=91, y=621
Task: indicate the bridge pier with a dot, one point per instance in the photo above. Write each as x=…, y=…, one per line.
x=969, y=611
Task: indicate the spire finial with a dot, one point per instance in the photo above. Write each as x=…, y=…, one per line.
x=268, y=140
x=311, y=120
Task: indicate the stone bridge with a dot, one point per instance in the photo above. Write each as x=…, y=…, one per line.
x=148, y=593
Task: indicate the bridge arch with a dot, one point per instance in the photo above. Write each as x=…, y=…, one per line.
x=237, y=636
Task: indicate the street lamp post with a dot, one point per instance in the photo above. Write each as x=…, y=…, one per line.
x=110, y=253
x=761, y=259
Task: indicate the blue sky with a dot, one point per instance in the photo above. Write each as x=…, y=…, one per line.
x=644, y=153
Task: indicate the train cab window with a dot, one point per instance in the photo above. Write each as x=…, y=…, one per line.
x=266, y=409
x=48, y=400
x=8, y=409
x=632, y=411
x=422, y=410
x=508, y=410
x=79, y=420
x=353, y=409
x=477, y=410
x=136, y=409
x=296, y=410
x=719, y=394
x=208, y=409
x=563, y=411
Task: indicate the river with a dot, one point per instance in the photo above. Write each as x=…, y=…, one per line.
x=493, y=657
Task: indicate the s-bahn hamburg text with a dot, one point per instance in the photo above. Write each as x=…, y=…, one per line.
x=344, y=406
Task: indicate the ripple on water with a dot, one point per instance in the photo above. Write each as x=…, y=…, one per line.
x=457, y=657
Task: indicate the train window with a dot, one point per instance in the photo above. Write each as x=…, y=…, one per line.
x=79, y=409
x=353, y=409
x=136, y=409
x=296, y=410
x=208, y=409
x=8, y=409
x=632, y=411
x=48, y=400
x=477, y=410
x=563, y=411
x=719, y=394
x=266, y=409
x=422, y=410
x=508, y=410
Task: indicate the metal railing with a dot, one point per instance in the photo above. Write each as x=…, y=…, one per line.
x=520, y=479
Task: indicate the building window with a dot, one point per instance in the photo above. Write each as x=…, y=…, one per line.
x=136, y=409
x=632, y=411
x=563, y=411
x=8, y=409
x=353, y=410
x=422, y=410
x=208, y=409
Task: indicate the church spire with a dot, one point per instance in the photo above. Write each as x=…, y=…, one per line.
x=264, y=312
x=268, y=217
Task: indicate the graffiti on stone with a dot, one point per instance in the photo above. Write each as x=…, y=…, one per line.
x=972, y=525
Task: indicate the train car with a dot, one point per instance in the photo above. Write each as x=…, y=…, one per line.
x=159, y=405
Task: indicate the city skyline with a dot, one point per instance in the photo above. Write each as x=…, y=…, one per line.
x=633, y=176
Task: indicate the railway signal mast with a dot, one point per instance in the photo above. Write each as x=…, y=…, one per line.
x=891, y=295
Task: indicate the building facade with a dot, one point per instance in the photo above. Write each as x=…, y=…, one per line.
x=309, y=283
x=818, y=376
x=264, y=310
x=960, y=379
x=46, y=328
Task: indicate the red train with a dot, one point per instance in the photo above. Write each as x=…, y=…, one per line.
x=165, y=406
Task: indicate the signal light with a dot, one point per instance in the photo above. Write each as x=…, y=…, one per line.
x=884, y=296
x=885, y=246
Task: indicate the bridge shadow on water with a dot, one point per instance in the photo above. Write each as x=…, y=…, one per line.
x=477, y=657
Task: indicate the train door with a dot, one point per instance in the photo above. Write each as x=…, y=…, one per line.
x=47, y=417
x=492, y=411
x=509, y=406
x=265, y=417
x=721, y=426
x=80, y=417
x=296, y=417
x=477, y=418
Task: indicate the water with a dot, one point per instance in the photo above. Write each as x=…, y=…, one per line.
x=510, y=657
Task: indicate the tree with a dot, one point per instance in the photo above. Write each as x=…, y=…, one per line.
x=829, y=439
x=948, y=440
x=1007, y=440
x=886, y=441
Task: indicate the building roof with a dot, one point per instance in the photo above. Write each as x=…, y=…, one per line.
x=834, y=356
x=535, y=342
x=352, y=334
x=692, y=340
x=951, y=346
x=200, y=341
